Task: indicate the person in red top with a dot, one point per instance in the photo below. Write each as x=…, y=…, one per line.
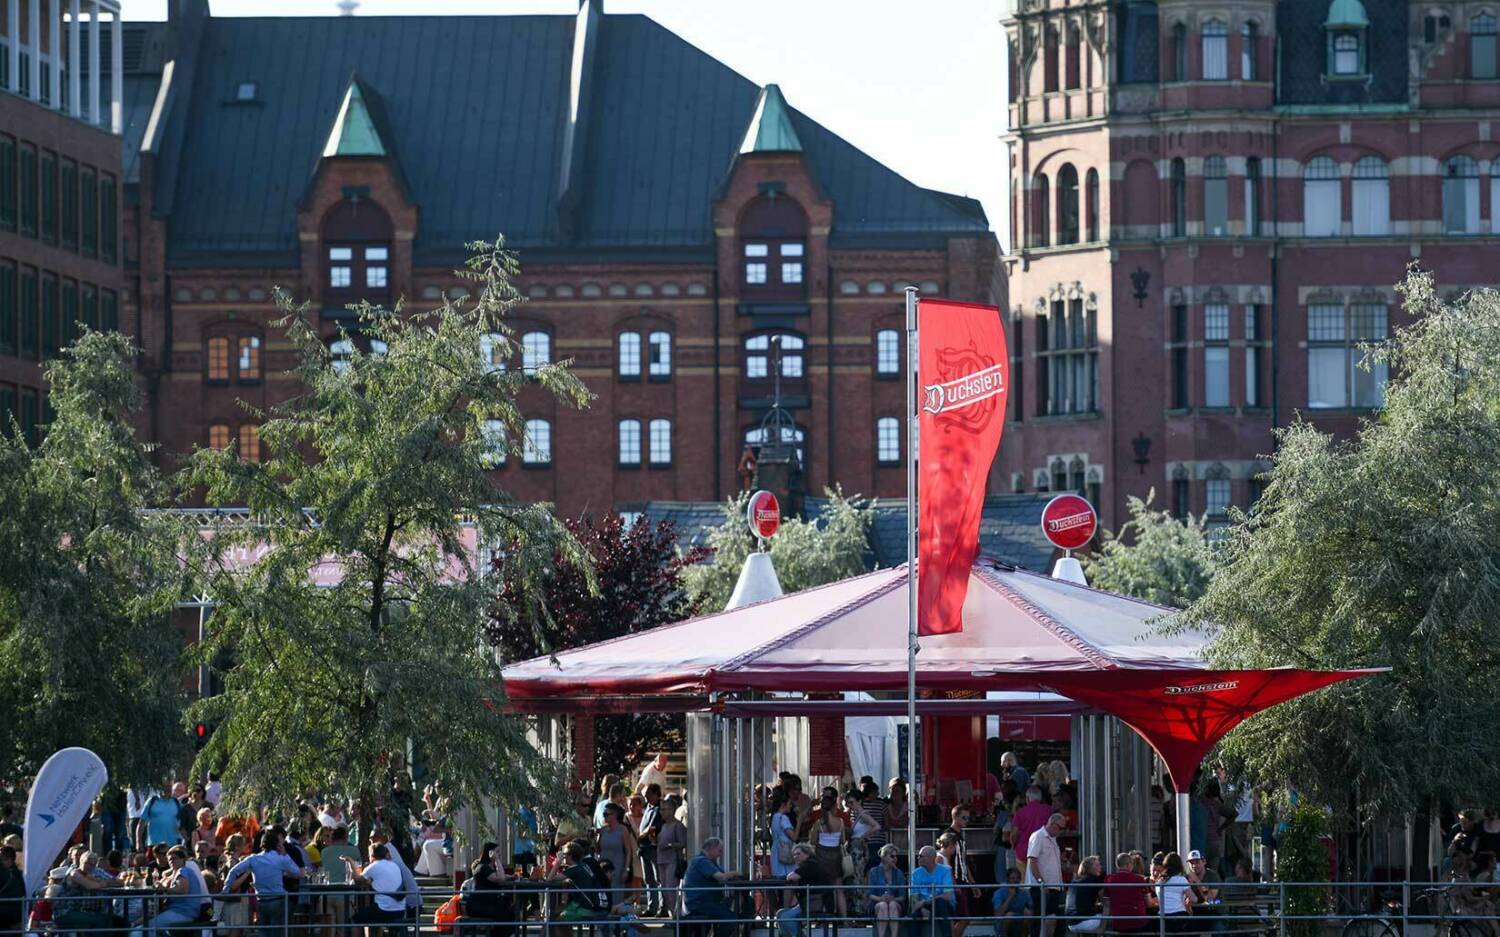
x=1028, y=820
x=1125, y=897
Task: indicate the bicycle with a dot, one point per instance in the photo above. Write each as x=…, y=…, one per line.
x=1448, y=922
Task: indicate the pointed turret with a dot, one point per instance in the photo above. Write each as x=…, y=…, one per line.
x=770, y=129
x=360, y=128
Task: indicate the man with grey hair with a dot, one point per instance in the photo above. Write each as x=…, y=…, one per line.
x=1044, y=875
x=932, y=896
x=703, y=892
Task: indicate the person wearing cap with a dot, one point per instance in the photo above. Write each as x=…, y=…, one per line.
x=1206, y=884
x=187, y=893
x=266, y=868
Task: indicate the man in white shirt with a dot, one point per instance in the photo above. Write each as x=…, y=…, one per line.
x=1044, y=875
x=654, y=773
x=409, y=887
x=383, y=876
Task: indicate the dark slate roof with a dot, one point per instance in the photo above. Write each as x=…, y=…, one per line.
x=476, y=105
x=1010, y=528
x=1304, y=55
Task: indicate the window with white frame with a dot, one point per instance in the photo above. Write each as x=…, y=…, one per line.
x=1215, y=197
x=630, y=442
x=494, y=348
x=492, y=441
x=340, y=267
x=340, y=353
x=536, y=448
x=1322, y=206
x=786, y=435
x=1249, y=51
x=888, y=440
x=1371, y=190
x=1216, y=497
x=1338, y=374
x=630, y=355
x=757, y=263
x=791, y=262
x=1346, y=57
x=660, y=346
x=888, y=349
x=1215, y=51
x=536, y=350
x=1216, y=355
x=660, y=432
x=378, y=348
x=1482, y=46
x=377, y=266
x=1068, y=358
x=763, y=348
x=1461, y=196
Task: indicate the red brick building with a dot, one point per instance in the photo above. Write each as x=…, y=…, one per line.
x=676, y=226
x=1210, y=204
x=60, y=171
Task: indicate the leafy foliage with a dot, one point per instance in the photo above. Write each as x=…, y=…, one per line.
x=1381, y=552
x=88, y=582
x=805, y=553
x=638, y=571
x=370, y=472
x=1302, y=856
x=1154, y=556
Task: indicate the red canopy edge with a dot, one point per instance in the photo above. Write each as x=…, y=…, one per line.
x=1184, y=714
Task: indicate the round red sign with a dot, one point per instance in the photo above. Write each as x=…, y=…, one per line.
x=764, y=515
x=1069, y=521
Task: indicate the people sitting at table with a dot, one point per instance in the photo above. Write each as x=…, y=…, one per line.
x=188, y=896
x=703, y=890
x=932, y=896
x=1127, y=895
x=587, y=889
x=809, y=880
x=382, y=876
x=489, y=900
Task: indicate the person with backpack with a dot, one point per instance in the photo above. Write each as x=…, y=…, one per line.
x=587, y=887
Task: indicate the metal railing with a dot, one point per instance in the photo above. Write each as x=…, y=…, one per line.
x=550, y=908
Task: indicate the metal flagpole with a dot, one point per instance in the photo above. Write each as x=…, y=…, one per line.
x=911, y=576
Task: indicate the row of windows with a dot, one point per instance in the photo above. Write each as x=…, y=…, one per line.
x=234, y=356
x=1069, y=214
x=658, y=442
x=40, y=312
x=1216, y=336
x=58, y=200
x=26, y=406
x=246, y=440
x=536, y=444
x=1214, y=64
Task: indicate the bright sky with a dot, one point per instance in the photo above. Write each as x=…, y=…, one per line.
x=918, y=84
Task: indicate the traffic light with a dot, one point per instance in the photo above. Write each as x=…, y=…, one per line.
x=200, y=734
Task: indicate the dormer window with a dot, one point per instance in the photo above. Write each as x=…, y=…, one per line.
x=245, y=91
x=1347, y=27
x=773, y=249
x=357, y=252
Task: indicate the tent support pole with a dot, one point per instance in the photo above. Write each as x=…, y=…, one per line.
x=911, y=575
x=1184, y=827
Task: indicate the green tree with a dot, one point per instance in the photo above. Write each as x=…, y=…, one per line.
x=639, y=572
x=1381, y=551
x=1302, y=856
x=88, y=582
x=805, y=553
x=372, y=469
x=1154, y=556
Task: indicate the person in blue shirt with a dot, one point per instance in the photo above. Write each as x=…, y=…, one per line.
x=932, y=896
x=886, y=892
x=266, y=869
x=703, y=887
x=1011, y=903
x=162, y=819
x=186, y=890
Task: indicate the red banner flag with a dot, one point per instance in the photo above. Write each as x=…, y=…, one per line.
x=963, y=380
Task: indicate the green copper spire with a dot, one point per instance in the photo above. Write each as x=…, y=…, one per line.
x=354, y=131
x=771, y=129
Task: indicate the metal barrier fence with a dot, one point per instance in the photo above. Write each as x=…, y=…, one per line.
x=542, y=908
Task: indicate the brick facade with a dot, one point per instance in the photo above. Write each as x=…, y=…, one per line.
x=1254, y=206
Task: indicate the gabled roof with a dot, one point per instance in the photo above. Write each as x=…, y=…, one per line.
x=771, y=129
x=476, y=106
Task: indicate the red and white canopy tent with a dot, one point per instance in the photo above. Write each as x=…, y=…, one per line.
x=1021, y=631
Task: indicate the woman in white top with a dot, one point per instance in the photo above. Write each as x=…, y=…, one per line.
x=1176, y=897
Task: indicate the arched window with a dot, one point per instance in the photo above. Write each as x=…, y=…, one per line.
x=1347, y=56
x=1067, y=205
x=493, y=439
x=1042, y=227
x=536, y=350
x=1482, y=46
x=630, y=356
x=888, y=440
x=357, y=251
x=1215, y=37
x=764, y=348
x=630, y=443
x=1179, y=52
x=1372, y=197
x=1013, y=82
x=1461, y=196
x=758, y=436
x=218, y=436
x=1322, y=204
x=660, y=437
x=660, y=346
x=218, y=360
x=340, y=353
x=494, y=349
x=1179, y=198
x=1091, y=204
x=247, y=365
x=1049, y=60
x=1249, y=51
x=249, y=443
x=1073, y=77
x=536, y=448
x=773, y=243
x=1215, y=197
x=1252, y=196
x=888, y=352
